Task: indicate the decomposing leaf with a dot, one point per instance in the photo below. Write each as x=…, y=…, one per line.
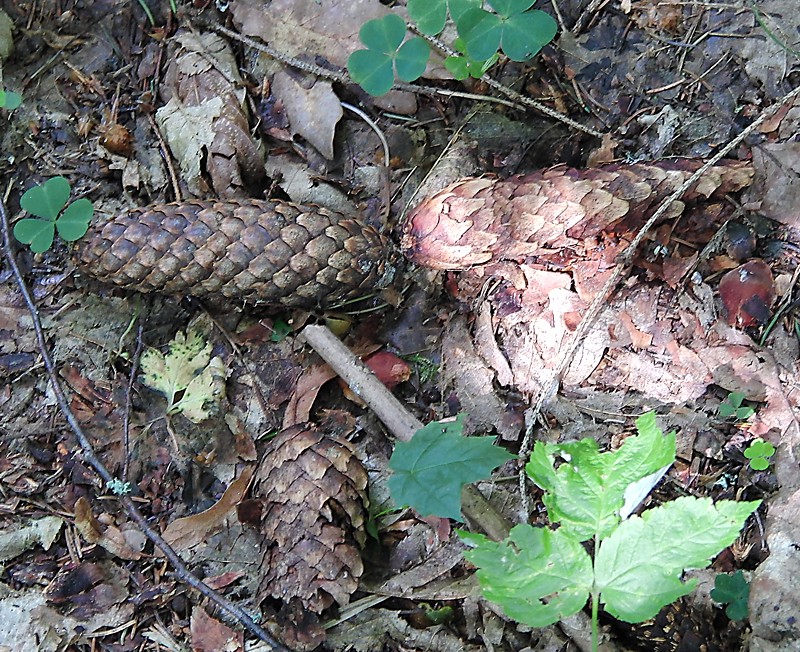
x=18, y=539
x=109, y=537
x=747, y=293
x=192, y=381
x=184, y=533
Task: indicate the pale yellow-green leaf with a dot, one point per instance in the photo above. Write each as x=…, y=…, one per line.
x=202, y=396
x=187, y=356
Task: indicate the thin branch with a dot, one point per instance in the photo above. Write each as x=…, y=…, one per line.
x=180, y=571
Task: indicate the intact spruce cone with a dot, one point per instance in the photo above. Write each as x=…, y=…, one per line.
x=253, y=251
x=554, y=216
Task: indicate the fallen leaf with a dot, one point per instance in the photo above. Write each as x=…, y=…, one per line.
x=747, y=293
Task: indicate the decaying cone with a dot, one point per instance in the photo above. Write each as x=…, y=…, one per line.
x=554, y=216
x=313, y=493
x=252, y=251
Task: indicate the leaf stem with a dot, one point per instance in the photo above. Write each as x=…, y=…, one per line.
x=595, y=595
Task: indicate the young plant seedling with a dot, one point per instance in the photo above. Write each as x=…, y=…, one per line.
x=758, y=454
x=732, y=407
x=515, y=28
x=9, y=100
x=541, y=575
x=46, y=202
x=734, y=591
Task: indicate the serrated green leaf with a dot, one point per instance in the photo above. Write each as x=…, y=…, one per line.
x=429, y=15
x=638, y=567
x=383, y=34
x=481, y=32
x=586, y=492
x=372, y=71
x=188, y=358
x=525, y=34
x=37, y=233
x=46, y=200
x=430, y=470
x=510, y=7
x=411, y=59
x=538, y=576
x=734, y=591
x=74, y=221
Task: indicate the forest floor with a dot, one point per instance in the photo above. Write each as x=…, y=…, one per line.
x=105, y=96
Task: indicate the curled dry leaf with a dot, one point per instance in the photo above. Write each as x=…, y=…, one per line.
x=205, y=118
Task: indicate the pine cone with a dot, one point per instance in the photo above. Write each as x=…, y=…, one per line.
x=253, y=251
x=313, y=491
x=551, y=216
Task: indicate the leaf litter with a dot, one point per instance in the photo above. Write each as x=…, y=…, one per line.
x=663, y=345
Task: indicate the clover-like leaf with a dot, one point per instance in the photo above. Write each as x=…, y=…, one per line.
x=46, y=200
x=74, y=221
x=374, y=68
x=430, y=15
x=734, y=591
x=36, y=233
x=520, y=33
x=430, y=470
x=463, y=66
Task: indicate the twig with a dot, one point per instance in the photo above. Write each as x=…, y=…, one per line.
x=180, y=571
x=126, y=419
x=550, y=386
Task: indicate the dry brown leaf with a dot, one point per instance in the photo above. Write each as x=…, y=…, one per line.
x=187, y=532
x=211, y=635
x=106, y=536
x=313, y=112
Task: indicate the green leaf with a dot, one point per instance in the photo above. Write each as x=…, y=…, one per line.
x=638, y=567
x=586, y=492
x=37, y=233
x=508, y=8
x=10, y=100
x=458, y=7
x=372, y=71
x=481, y=32
x=187, y=368
x=759, y=448
x=411, y=59
x=383, y=34
x=46, y=200
x=430, y=15
x=735, y=399
x=525, y=34
x=538, y=576
x=431, y=469
x=734, y=591
x=74, y=222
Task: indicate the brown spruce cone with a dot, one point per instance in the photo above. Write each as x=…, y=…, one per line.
x=552, y=216
x=253, y=251
x=313, y=494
